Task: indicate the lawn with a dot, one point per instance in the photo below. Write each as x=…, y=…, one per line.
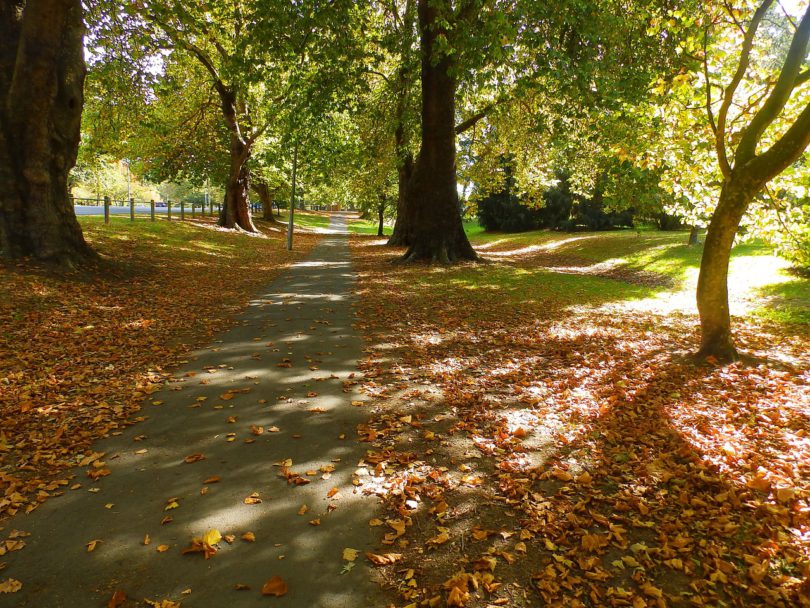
x=97, y=341
x=540, y=430
x=306, y=219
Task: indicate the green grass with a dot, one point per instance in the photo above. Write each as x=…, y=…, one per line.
x=756, y=275
x=306, y=219
x=367, y=227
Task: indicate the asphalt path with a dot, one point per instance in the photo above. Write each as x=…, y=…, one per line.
x=285, y=368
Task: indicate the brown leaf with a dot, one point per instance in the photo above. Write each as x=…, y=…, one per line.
x=118, y=598
x=275, y=586
x=191, y=458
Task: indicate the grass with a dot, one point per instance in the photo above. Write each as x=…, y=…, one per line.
x=367, y=227
x=760, y=283
x=306, y=219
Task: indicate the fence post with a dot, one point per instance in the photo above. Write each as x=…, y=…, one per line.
x=168, y=210
x=131, y=209
x=182, y=210
x=106, y=209
x=152, y=209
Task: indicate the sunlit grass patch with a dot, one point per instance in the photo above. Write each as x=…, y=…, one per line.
x=306, y=219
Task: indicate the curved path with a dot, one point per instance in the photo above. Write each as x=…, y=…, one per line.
x=291, y=352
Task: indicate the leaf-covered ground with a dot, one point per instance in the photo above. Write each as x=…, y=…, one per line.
x=79, y=351
x=541, y=436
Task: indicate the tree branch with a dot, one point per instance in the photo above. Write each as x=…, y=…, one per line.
x=785, y=151
x=780, y=94
x=709, y=111
x=728, y=97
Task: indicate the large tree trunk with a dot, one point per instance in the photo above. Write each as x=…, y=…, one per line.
x=712, y=289
x=41, y=97
x=236, y=208
x=262, y=190
x=437, y=234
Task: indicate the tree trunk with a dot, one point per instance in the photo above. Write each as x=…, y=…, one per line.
x=694, y=232
x=381, y=215
x=437, y=234
x=400, y=237
x=41, y=97
x=712, y=289
x=236, y=208
x=262, y=190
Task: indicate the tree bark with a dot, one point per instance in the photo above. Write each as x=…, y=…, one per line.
x=262, y=190
x=400, y=237
x=42, y=75
x=694, y=232
x=236, y=208
x=712, y=289
x=437, y=234
x=381, y=215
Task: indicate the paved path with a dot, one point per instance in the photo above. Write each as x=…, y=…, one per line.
x=307, y=316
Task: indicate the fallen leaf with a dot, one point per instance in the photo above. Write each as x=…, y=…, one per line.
x=10, y=586
x=118, y=598
x=91, y=546
x=249, y=537
x=253, y=499
x=275, y=586
x=350, y=554
x=383, y=559
x=191, y=458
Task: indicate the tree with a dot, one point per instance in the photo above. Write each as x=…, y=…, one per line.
x=432, y=209
x=774, y=134
x=262, y=59
x=42, y=73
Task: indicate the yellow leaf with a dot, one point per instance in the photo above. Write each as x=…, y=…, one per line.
x=162, y=548
x=10, y=586
x=91, y=546
x=212, y=537
x=350, y=554
x=249, y=537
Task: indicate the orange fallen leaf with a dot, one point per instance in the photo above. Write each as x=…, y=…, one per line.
x=249, y=537
x=191, y=458
x=162, y=548
x=275, y=586
x=383, y=559
x=91, y=546
x=118, y=598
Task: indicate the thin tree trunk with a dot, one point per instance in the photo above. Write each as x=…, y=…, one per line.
x=262, y=190
x=694, y=232
x=42, y=75
x=400, y=237
x=712, y=289
x=236, y=208
x=437, y=234
x=381, y=216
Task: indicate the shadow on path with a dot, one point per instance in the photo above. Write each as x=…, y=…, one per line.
x=277, y=386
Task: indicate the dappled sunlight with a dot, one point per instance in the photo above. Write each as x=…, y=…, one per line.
x=574, y=422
